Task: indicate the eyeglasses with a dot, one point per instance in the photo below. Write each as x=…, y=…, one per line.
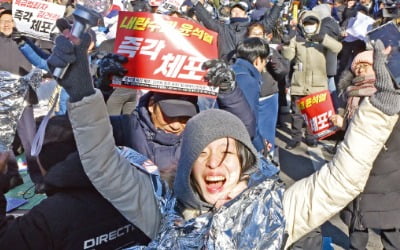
x=6, y=21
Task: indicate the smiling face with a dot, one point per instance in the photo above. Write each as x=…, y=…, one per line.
x=217, y=170
x=6, y=24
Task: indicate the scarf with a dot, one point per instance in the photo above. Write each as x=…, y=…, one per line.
x=361, y=86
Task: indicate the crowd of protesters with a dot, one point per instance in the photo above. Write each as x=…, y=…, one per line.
x=125, y=168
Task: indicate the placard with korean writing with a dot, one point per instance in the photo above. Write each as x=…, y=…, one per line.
x=169, y=5
x=165, y=53
x=316, y=110
x=37, y=18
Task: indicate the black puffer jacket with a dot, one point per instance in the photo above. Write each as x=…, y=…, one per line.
x=74, y=216
x=229, y=35
x=379, y=205
x=277, y=69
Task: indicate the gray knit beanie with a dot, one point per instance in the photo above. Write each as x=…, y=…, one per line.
x=200, y=131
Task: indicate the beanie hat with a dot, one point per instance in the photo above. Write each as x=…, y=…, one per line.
x=200, y=131
x=363, y=57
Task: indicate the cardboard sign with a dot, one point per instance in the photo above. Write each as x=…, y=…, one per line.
x=316, y=110
x=165, y=53
x=37, y=18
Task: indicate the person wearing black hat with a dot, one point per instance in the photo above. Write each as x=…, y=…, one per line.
x=155, y=127
x=229, y=35
x=225, y=194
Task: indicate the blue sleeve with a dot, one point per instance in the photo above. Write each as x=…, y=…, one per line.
x=236, y=103
x=33, y=57
x=251, y=90
x=38, y=50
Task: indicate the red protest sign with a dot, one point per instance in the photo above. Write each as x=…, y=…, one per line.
x=316, y=110
x=165, y=53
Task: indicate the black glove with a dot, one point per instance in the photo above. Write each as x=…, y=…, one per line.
x=18, y=38
x=387, y=98
x=317, y=38
x=77, y=81
x=286, y=39
x=63, y=24
x=109, y=65
x=219, y=75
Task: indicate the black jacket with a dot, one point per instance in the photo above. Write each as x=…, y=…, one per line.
x=378, y=206
x=229, y=35
x=74, y=216
x=277, y=69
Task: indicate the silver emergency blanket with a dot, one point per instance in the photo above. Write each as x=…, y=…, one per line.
x=253, y=220
x=12, y=93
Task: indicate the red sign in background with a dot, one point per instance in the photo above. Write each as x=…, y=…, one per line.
x=316, y=110
x=165, y=53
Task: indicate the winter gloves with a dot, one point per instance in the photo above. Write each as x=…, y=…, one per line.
x=317, y=38
x=108, y=66
x=387, y=98
x=18, y=38
x=77, y=81
x=220, y=75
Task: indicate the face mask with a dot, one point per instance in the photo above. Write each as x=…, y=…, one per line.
x=309, y=29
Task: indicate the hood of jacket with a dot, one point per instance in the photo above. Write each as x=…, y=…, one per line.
x=67, y=174
x=309, y=13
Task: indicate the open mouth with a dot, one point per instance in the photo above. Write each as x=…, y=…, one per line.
x=214, y=183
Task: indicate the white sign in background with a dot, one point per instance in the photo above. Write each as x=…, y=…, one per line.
x=37, y=18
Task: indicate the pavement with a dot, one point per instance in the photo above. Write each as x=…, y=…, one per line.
x=302, y=162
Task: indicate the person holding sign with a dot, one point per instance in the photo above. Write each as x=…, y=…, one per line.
x=308, y=51
x=155, y=127
x=224, y=195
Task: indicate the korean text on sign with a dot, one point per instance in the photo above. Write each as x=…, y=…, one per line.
x=316, y=110
x=165, y=53
x=37, y=18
